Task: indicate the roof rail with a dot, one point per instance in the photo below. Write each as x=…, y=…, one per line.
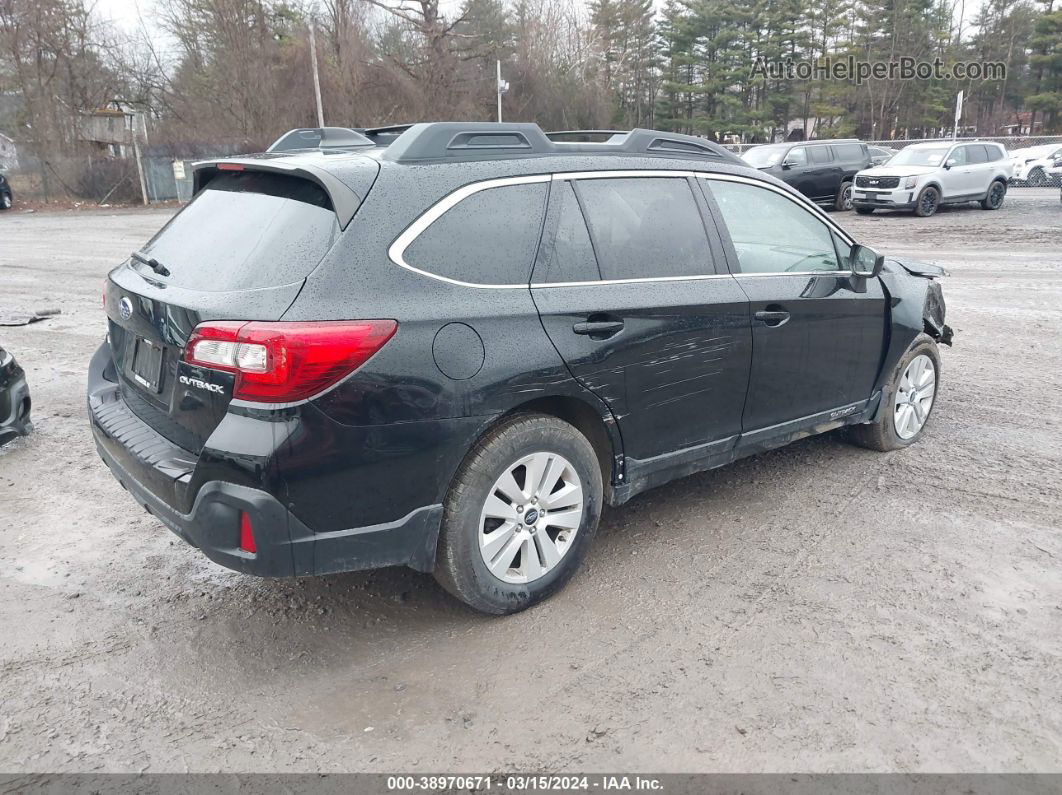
x=319, y=138
x=382, y=136
x=491, y=140
x=468, y=140
x=584, y=134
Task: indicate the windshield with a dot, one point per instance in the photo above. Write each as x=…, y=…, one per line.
x=919, y=157
x=763, y=156
x=246, y=230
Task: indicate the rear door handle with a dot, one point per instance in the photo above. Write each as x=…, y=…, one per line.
x=598, y=329
x=773, y=318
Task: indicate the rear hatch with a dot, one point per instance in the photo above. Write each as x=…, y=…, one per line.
x=240, y=250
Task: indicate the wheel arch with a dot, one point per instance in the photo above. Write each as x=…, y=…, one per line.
x=601, y=431
x=598, y=425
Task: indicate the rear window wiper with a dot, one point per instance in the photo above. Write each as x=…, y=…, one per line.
x=152, y=263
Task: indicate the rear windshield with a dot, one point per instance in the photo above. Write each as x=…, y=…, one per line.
x=244, y=231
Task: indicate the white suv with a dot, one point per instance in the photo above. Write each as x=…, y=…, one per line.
x=1033, y=166
x=921, y=177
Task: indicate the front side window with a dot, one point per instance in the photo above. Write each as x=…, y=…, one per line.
x=797, y=156
x=488, y=238
x=645, y=227
x=958, y=156
x=771, y=233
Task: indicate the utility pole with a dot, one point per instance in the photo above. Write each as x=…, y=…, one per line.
x=503, y=86
x=958, y=115
x=134, y=116
x=316, y=76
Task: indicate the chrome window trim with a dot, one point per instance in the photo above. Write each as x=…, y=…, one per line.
x=398, y=248
x=396, y=251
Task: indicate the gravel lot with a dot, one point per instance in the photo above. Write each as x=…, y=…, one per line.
x=817, y=608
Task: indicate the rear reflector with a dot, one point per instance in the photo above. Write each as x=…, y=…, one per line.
x=230, y=167
x=284, y=362
x=246, y=534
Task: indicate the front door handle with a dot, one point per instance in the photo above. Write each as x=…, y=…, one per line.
x=598, y=329
x=773, y=318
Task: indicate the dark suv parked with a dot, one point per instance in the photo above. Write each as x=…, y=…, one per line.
x=448, y=352
x=6, y=197
x=821, y=170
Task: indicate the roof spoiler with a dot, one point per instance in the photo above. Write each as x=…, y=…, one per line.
x=345, y=202
x=319, y=138
x=489, y=140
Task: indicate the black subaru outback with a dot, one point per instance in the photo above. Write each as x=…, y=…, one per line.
x=447, y=346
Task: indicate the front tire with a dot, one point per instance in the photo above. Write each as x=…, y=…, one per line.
x=994, y=199
x=928, y=201
x=1037, y=178
x=909, y=397
x=531, y=465
x=5, y=201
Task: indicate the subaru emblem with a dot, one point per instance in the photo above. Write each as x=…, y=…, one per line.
x=125, y=308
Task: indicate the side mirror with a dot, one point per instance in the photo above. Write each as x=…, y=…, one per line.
x=787, y=164
x=865, y=261
x=951, y=161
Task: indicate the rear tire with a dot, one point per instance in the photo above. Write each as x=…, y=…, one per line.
x=843, y=201
x=994, y=199
x=489, y=556
x=864, y=210
x=928, y=201
x=5, y=201
x=909, y=386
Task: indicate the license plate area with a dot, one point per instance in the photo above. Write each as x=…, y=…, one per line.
x=147, y=363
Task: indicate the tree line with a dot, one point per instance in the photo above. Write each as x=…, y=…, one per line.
x=236, y=73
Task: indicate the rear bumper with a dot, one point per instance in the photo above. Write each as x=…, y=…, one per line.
x=161, y=477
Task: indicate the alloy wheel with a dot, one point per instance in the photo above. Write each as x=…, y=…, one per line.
x=914, y=397
x=846, y=198
x=929, y=202
x=995, y=196
x=530, y=517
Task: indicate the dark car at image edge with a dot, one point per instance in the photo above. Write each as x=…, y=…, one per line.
x=446, y=345
x=15, y=401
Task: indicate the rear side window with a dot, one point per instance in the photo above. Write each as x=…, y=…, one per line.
x=820, y=154
x=977, y=154
x=570, y=255
x=488, y=238
x=645, y=227
x=247, y=230
x=850, y=152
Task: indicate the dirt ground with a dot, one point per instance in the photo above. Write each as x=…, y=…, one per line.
x=817, y=608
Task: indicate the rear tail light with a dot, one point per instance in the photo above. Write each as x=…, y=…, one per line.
x=247, y=534
x=283, y=362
